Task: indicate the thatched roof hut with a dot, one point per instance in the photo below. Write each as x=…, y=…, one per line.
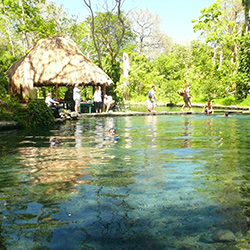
x=54, y=61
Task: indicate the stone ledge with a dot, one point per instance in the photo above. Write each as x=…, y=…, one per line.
x=194, y=105
x=10, y=125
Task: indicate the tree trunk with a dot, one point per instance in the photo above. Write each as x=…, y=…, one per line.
x=246, y=4
x=22, y=21
x=8, y=30
x=96, y=44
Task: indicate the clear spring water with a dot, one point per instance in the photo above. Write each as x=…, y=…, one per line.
x=168, y=182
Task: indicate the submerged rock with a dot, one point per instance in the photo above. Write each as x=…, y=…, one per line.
x=224, y=236
x=74, y=115
x=207, y=238
x=59, y=120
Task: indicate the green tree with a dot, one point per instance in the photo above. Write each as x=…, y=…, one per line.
x=220, y=26
x=243, y=85
x=173, y=65
x=111, y=33
x=142, y=76
x=243, y=76
x=23, y=22
x=246, y=5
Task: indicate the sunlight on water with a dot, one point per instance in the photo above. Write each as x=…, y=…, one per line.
x=168, y=182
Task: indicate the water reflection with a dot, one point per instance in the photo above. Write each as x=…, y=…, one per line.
x=151, y=122
x=168, y=183
x=99, y=135
x=60, y=169
x=187, y=132
x=127, y=131
x=78, y=134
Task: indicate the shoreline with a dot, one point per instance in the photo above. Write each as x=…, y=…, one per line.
x=12, y=125
x=194, y=105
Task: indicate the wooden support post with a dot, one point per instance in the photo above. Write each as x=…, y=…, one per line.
x=56, y=91
x=104, y=93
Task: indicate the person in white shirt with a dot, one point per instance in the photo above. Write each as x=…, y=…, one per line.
x=49, y=101
x=77, y=97
x=152, y=98
x=109, y=102
x=98, y=100
x=53, y=104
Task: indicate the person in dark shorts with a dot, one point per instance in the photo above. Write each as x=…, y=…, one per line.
x=186, y=100
x=152, y=98
x=98, y=100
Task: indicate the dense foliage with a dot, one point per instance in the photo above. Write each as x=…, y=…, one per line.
x=34, y=114
x=243, y=83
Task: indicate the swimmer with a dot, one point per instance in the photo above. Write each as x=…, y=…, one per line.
x=112, y=135
x=112, y=132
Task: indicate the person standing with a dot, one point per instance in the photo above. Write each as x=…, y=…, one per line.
x=77, y=97
x=98, y=100
x=187, y=90
x=152, y=98
x=186, y=97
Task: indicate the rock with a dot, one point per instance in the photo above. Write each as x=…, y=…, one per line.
x=74, y=114
x=224, y=236
x=8, y=125
x=207, y=238
x=59, y=120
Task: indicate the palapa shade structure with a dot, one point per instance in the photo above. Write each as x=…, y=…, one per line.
x=56, y=61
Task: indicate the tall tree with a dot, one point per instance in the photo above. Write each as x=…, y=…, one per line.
x=6, y=26
x=221, y=25
x=246, y=4
x=110, y=32
x=243, y=79
x=151, y=40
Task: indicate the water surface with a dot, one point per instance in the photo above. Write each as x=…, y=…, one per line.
x=168, y=182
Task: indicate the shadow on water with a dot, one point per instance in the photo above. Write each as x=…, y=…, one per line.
x=167, y=183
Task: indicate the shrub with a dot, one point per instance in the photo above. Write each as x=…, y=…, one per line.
x=6, y=109
x=245, y=102
x=229, y=100
x=36, y=114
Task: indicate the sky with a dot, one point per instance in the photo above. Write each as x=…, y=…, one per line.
x=175, y=15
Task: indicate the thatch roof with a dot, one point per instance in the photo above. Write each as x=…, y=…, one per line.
x=57, y=61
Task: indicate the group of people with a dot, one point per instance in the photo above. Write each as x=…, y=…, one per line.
x=97, y=99
x=208, y=108
x=108, y=101
x=151, y=103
